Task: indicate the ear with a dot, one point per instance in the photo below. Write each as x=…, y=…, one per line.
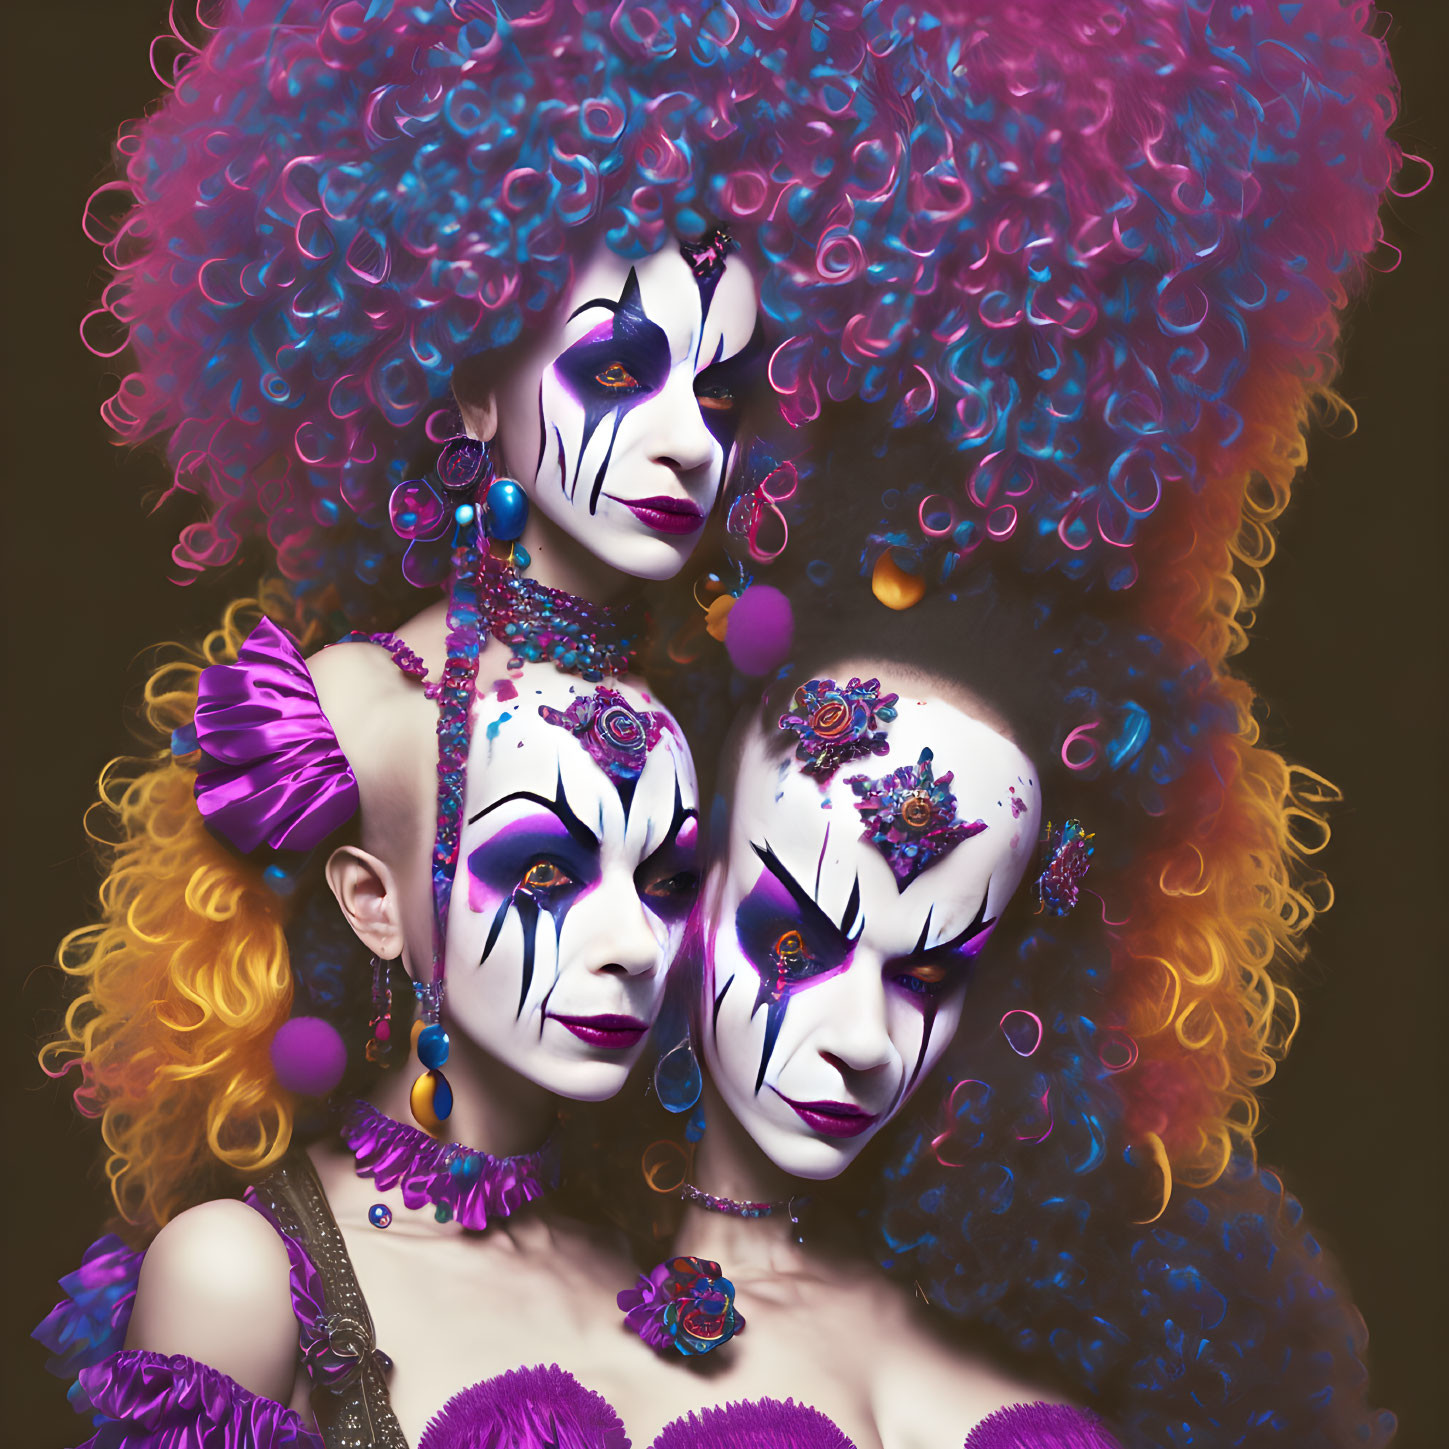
x=480, y=414
x=368, y=895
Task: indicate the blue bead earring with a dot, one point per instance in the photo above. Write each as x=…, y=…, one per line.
x=505, y=516
x=431, y=1098
x=678, y=1081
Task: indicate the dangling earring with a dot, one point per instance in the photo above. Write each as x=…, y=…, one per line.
x=379, y=1042
x=1069, y=852
x=505, y=516
x=431, y=1098
x=677, y=1078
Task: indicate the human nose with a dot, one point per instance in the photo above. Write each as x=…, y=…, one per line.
x=854, y=1036
x=681, y=440
x=628, y=945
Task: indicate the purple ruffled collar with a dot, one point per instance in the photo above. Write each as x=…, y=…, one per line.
x=469, y=1186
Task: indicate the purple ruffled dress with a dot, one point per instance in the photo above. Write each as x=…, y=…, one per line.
x=142, y=1400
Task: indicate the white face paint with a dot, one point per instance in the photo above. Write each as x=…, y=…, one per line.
x=576, y=872
x=620, y=423
x=833, y=982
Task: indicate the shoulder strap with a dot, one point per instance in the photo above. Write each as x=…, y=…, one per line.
x=355, y=1412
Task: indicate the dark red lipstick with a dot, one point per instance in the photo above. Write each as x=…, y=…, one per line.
x=833, y=1119
x=613, y=1033
x=664, y=514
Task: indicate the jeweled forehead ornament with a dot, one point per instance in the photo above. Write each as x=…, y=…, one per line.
x=617, y=736
x=910, y=817
x=834, y=724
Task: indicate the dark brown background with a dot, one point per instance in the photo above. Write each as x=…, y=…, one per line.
x=1349, y=652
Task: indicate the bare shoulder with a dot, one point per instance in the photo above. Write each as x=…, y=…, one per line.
x=933, y=1387
x=216, y=1286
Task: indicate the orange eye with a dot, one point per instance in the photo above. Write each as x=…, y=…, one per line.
x=544, y=875
x=716, y=399
x=616, y=375
x=790, y=946
x=928, y=973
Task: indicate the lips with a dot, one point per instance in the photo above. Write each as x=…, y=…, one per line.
x=664, y=514
x=613, y=1033
x=833, y=1119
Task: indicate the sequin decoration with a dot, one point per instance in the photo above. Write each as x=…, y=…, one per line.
x=379, y=1215
x=836, y=723
x=910, y=817
x=617, y=736
x=539, y=623
x=1068, y=858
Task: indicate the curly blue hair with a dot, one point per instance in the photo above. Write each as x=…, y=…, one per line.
x=1090, y=238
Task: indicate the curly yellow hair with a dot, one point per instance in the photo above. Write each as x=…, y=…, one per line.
x=1221, y=912
x=185, y=976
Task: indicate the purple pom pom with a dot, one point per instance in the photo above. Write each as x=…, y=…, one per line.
x=751, y=1425
x=528, y=1406
x=308, y=1056
x=760, y=631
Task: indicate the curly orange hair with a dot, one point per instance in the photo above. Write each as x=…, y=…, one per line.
x=185, y=976
x=1220, y=908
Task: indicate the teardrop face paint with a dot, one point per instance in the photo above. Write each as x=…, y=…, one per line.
x=621, y=423
x=579, y=867
x=843, y=923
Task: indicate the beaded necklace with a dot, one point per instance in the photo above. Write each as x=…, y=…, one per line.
x=735, y=1209
x=573, y=634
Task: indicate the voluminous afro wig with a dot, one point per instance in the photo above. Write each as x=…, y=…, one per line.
x=1072, y=233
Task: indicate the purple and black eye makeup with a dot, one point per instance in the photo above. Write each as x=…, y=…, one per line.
x=546, y=861
x=505, y=871
x=792, y=944
x=725, y=386
x=668, y=878
x=627, y=360
x=930, y=973
x=612, y=369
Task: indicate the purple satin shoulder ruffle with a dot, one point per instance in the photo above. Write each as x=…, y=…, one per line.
x=1040, y=1426
x=148, y=1401
x=309, y=1307
x=753, y=1423
x=529, y=1408
x=277, y=775
x=90, y=1321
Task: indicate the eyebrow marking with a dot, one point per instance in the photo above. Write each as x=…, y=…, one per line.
x=809, y=907
x=978, y=923
x=719, y=1002
x=920, y=946
x=719, y=346
x=558, y=805
x=852, y=908
x=604, y=302
x=820, y=864
x=682, y=813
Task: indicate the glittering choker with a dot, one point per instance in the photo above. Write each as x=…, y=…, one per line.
x=540, y=623
x=458, y=1182
x=735, y=1209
